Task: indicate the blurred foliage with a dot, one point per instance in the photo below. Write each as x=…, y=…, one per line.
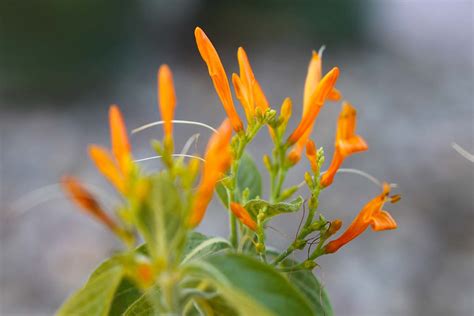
x=330, y=21
x=51, y=47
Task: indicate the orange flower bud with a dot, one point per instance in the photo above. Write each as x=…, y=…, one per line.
x=107, y=166
x=241, y=213
x=370, y=215
x=167, y=98
x=218, y=158
x=145, y=274
x=285, y=110
x=218, y=76
x=86, y=201
x=247, y=88
x=335, y=226
x=118, y=135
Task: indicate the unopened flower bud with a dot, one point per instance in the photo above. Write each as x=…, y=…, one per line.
x=334, y=227
x=267, y=162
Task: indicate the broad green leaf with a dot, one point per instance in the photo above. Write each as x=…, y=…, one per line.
x=247, y=177
x=254, y=207
x=96, y=297
x=214, y=306
x=193, y=240
x=127, y=293
x=206, y=248
x=146, y=305
x=250, y=286
x=309, y=286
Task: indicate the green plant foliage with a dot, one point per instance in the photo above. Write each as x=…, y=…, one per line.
x=250, y=286
x=96, y=297
x=311, y=288
x=273, y=209
x=160, y=217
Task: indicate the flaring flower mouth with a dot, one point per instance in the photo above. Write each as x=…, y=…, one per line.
x=370, y=215
x=346, y=144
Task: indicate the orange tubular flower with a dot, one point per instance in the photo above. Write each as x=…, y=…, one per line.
x=117, y=167
x=84, y=199
x=315, y=103
x=370, y=215
x=218, y=159
x=241, y=213
x=347, y=142
x=218, y=76
x=247, y=88
x=167, y=98
x=313, y=77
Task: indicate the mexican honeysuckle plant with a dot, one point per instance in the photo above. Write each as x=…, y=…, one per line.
x=166, y=267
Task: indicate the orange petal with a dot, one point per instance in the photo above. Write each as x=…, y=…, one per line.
x=382, y=221
x=106, y=165
x=315, y=104
x=241, y=94
x=118, y=135
x=218, y=158
x=246, y=74
x=261, y=101
x=328, y=177
x=167, y=98
x=371, y=214
x=241, y=213
x=218, y=76
x=352, y=145
x=347, y=141
x=84, y=199
x=313, y=77
x=335, y=95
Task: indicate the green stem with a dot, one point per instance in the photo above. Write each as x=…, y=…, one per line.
x=233, y=238
x=233, y=196
x=283, y=255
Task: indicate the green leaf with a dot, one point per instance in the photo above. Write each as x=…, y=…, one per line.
x=247, y=177
x=206, y=248
x=146, y=305
x=309, y=286
x=127, y=293
x=124, y=293
x=213, y=306
x=254, y=207
x=250, y=286
x=96, y=297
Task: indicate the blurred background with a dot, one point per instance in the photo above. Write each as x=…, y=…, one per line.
x=407, y=66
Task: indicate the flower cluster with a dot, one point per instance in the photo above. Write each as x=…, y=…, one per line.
x=163, y=207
